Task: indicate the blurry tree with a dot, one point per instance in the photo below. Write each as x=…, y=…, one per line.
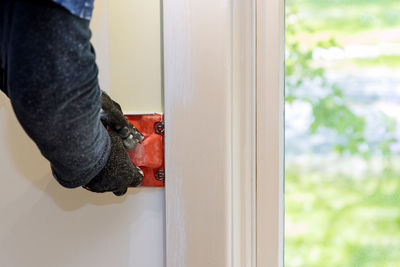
x=330, y=108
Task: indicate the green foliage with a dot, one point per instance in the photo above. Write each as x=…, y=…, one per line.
x=332, y=109
x=336, y=220
x=350, y=16
x=381, y=61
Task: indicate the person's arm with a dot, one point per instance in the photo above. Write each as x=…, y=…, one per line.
x=54, y=90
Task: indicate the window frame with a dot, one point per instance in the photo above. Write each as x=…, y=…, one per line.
x=223, y=98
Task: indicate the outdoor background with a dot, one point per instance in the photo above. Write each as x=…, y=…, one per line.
x=342, y=184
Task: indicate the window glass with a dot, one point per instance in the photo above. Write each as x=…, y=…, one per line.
x=342, y=177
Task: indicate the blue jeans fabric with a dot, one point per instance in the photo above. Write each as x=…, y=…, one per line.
x=51, y=80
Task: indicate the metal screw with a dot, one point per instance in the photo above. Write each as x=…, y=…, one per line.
x=159, y=127
x=160, y=175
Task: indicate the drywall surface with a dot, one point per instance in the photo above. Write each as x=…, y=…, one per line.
x=135, y=54
x=43, y=224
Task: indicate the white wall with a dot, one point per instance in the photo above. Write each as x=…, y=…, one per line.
x=135, y=54
x=45, y=225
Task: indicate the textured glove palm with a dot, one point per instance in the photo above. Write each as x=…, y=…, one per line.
x=111, y=115
x=119, y=172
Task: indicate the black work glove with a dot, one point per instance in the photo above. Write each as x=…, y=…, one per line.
x=118, y=173
x=111, y=115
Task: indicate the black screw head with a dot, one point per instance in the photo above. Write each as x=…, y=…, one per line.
x=160, y=175
x=159, y=127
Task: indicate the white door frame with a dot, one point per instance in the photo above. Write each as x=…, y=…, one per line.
x=223, y=82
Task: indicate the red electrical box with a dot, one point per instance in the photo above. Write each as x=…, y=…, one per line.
x=149, y=154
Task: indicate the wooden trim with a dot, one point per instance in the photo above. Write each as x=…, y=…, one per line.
x=198, y=82
x=270, y=134
x=243, y=135
x=223, y=145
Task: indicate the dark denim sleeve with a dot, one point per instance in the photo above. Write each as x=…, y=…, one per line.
x=80, y=8
x=53, y=87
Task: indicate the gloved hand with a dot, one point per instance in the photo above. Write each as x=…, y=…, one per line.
x=111, y=115
x=118, y=173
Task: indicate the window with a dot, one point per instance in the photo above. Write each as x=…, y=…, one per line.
x=342, y=177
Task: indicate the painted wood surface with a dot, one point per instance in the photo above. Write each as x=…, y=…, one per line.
x=270, y=133
x=197, y=48
x=224, y=133
x=243, y=146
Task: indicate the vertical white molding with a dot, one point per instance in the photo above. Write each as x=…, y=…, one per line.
x=270, y=135
x=198, y=77
x=243, y=135
x=223, y=110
